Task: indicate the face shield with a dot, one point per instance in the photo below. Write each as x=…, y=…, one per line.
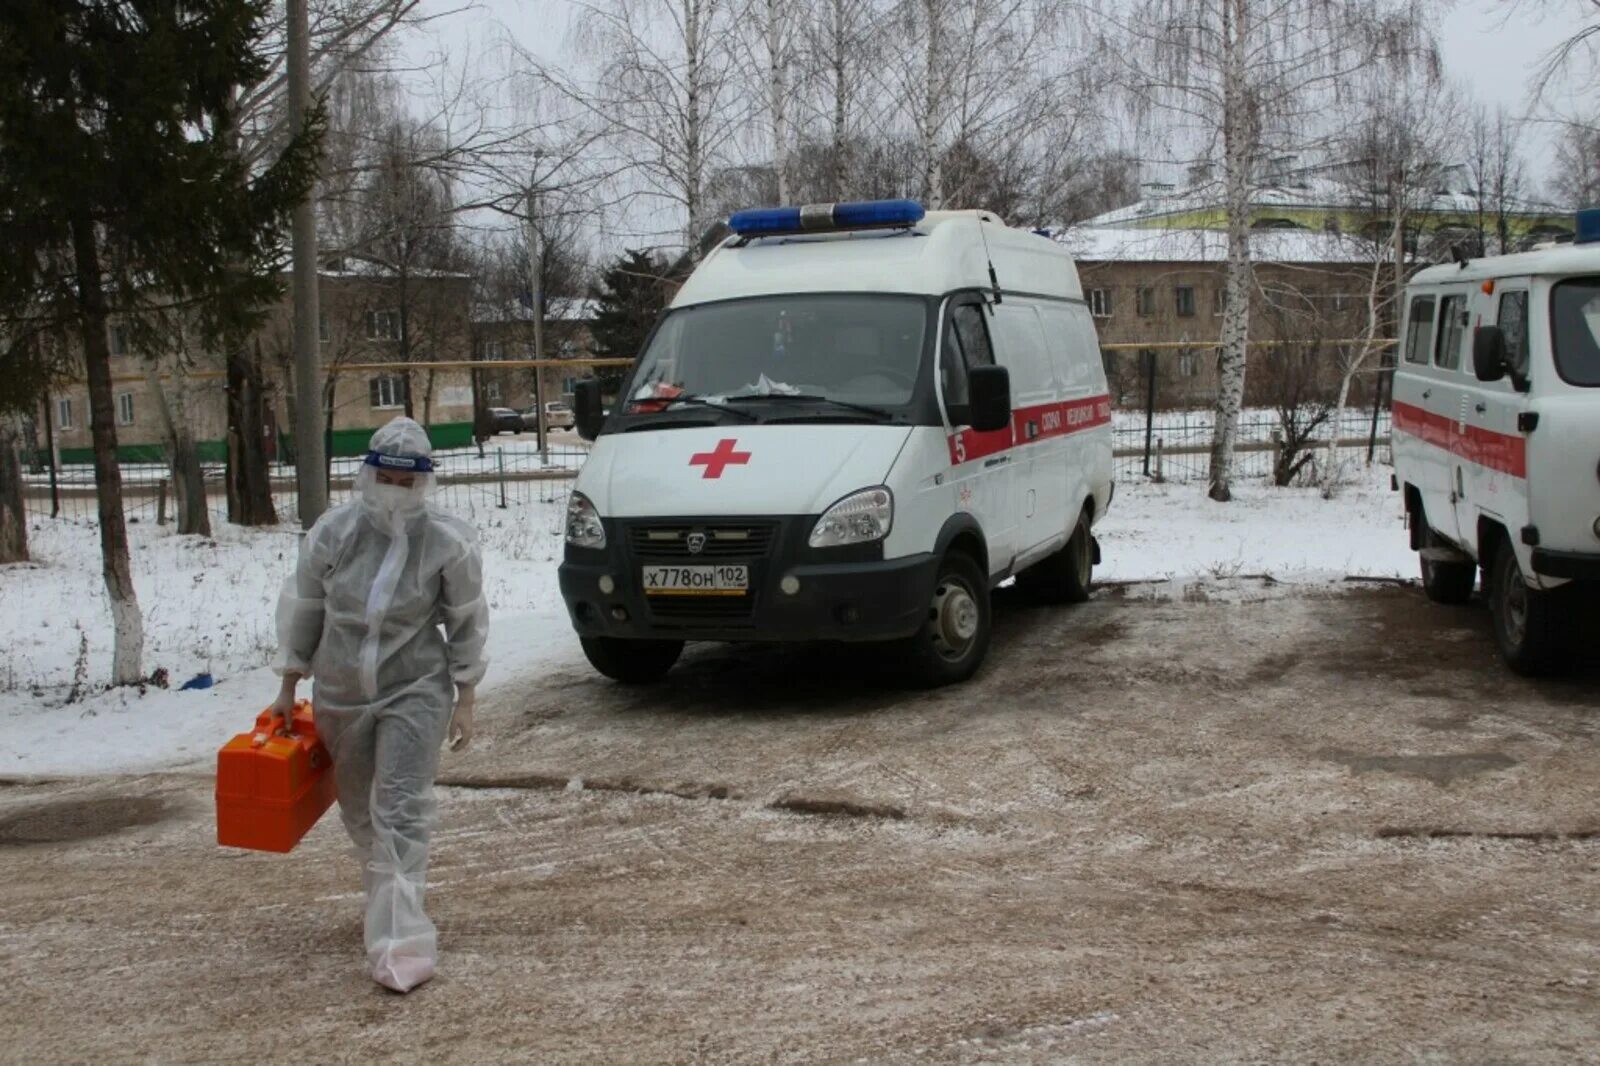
x=397, y=476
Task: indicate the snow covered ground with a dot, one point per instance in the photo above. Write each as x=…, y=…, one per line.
x=208, y=608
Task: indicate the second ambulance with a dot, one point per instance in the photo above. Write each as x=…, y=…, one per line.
x=1497, y=439
x=853, y=422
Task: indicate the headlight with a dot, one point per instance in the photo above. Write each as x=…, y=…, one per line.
x=859, y=518
x=583, y=523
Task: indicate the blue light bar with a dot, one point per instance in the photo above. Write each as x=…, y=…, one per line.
x=1588, y=226
x=826, y=218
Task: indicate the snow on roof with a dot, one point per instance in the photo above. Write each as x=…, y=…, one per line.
x=1321, y=188
x=1127, y=244
x=556, y=309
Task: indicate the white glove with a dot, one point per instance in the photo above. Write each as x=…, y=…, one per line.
x=460, y=733
x=284, y=704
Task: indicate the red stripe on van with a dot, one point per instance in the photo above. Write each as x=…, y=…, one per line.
x=1048, y=420
x=1504, y=452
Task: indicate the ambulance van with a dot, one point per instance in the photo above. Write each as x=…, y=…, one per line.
x=1497, y=438
x=851, y=424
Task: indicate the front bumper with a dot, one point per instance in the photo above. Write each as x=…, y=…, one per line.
x=1577, y=566
x=849, y=594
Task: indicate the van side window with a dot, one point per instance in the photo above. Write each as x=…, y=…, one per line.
x=1419, y=329
x=1452, y=324
x=953, y=370
x=974, y=335
x=1513, y=323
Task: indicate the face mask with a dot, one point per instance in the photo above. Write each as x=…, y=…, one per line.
x=391, y=502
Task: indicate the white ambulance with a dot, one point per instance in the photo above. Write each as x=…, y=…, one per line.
x=1497, y=438
x=852, y=423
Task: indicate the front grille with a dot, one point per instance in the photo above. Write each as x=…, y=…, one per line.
x=745, y=541
x=689, y=611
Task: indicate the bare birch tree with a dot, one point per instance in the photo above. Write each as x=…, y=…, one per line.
x=1498, y=175
x=1242, y=81
x=1397, y=147
x=669, y=95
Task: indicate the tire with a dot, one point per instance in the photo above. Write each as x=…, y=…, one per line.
x=632, y=662
x=952, y=645
x=1066, y=576
x=1449, y=583
x=1527, y=621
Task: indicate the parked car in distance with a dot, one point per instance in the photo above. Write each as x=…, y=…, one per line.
x=557, y=415
x=505, y=420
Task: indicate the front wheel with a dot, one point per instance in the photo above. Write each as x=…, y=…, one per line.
x=1526, y=620
x=632, y=662
x=952, y=643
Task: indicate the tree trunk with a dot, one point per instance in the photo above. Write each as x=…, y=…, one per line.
x=1238, y=145
x=13, y=516
x=249, y=477
x=116, y=566
x=778, y=95
x=841, y=169
x=932, y=103
x=693, y=131
x=188, y=477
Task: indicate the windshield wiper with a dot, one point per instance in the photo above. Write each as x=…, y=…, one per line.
x=801, y=397
x=706, y=401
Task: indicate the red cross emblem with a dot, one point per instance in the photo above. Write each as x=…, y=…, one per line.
x=719, y=459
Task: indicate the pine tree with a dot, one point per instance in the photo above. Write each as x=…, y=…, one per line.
x=120, y=194
x=630, y=295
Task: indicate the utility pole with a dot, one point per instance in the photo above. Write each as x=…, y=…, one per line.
x=536, y=298
x=310, y=456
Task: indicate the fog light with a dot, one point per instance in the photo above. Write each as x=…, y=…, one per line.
x=607, y=585
x=790, y=585
x=619, y=613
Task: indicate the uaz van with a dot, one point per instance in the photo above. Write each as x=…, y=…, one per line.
x=1497, y=438
x=851, y=424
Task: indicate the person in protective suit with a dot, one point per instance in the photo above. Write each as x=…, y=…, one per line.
x=385, y=611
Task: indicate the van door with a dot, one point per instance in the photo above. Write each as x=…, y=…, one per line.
x=1422, y=433
x=1020, y=347
x=1451, y=401
x=1490, y=457
x=981, y=463
x=1084, y=404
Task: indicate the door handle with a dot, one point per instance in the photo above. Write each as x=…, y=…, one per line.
x=1480, y=408
x=997, y=460
x=1427, y=394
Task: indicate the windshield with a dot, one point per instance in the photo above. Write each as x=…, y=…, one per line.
x=1575, y=327
x=851, y=349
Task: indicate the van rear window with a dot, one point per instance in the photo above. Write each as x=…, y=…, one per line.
x=1575, y=329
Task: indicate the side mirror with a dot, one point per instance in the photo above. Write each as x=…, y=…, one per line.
x=1489, y=353
x=586, y=410
x=989, y=389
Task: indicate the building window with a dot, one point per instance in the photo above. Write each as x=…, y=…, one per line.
x=1147, y=301
x=1100, y=303
x=324, y=334
x=124, y=408
x=1339, y=301
x=491, y=389
x=494, y=349
x=383, y=325
x=1183, y=297
x=569, y=385
x=119, y=340
x=1219, y=299
x=1188, y=364
x=388, y=391
x=63, y=414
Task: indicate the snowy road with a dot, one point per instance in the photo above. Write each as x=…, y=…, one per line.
x=1240, y=821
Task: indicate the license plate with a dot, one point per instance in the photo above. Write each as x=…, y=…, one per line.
x=728, y=580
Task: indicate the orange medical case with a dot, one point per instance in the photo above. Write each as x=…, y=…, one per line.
x=272, y=787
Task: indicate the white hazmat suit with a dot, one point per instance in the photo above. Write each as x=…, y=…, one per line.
x=386, y=612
